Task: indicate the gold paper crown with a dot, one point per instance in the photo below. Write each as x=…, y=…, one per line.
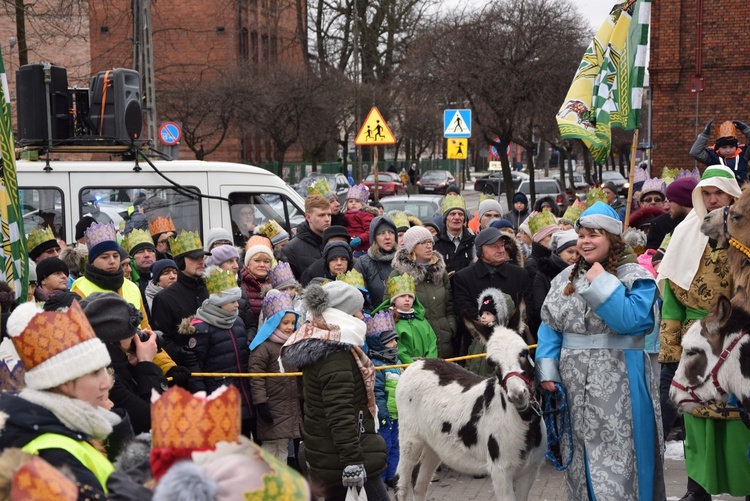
x=319, y=187
x=573, y=212
x=38, y=237
x=352, y=277
x=161, y=225
x=137, y=237
x=668, y=175
x=220, y=280
x=186, y=241
x=38, y=480
x=400, y=220
x=484, y=197
x=453, y=201
x=595, y=195
x=727, y=129
x=180, y=420
x=401, y=284
x=541, y=220
x=271, y=229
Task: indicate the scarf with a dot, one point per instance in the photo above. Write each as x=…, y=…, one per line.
x=279, y=337
x=104, y=279
x=406, y=315
x=214, y=315
x=151, y=290
x=80, y=416
x=337, y=326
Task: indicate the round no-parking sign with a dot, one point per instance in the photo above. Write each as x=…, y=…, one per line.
x=170, y=133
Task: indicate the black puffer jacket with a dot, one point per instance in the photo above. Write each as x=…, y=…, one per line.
x=376, y=267
x=303, y=250
x=456, y=259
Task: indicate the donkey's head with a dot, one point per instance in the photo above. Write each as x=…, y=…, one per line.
x=509, y=354
x=731, y=221
x=708, y=352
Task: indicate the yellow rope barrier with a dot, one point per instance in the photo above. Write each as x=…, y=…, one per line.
x=293, y=374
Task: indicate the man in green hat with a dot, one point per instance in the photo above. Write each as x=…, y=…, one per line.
x=455, y=242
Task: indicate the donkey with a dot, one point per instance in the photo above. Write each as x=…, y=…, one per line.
x=473, y=424
x=715, y=358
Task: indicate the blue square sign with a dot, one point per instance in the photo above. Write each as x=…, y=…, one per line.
x=456, y=123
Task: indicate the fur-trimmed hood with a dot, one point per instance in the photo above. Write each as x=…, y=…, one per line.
x=501, y=304
x=432, y=273
x=311, y=351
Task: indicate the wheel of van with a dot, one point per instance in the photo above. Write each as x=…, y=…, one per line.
x=487, y=190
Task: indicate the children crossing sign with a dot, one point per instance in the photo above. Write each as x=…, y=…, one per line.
x=374, y=131
x=456, y=148
x=457, y=123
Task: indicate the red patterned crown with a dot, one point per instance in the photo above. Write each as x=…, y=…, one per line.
x=38, y=480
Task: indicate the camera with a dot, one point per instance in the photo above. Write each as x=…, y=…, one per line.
x=143, y=336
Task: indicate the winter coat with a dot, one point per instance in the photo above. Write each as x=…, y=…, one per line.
x=282, y=394
x=548, y=269
x=246, y=314
x=376, y=267
x=133, y=386
x=252, y=288
x=416, y=338
x=434, y=293
x=303, y=250
x=538, y=253
x=357, y=223
x=386, y=382
x=661, y=226
x=517, y=217
x=708, y=156
x=455, y=258
x=338, y=427
x=218, y=350
x=316, y=270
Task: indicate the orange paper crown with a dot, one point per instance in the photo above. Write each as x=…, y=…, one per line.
x=727, y=129
x=38, y=480
x=161, y=225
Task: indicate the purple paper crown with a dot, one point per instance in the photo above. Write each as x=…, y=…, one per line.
x=359, y=192
x=654, y=184
x=695, y=174
x=282, y=275
x=98, y=233
x=380, y=322
x=639, y=175
x=275, y=302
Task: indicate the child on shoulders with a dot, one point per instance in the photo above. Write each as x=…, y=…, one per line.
x=357, y=220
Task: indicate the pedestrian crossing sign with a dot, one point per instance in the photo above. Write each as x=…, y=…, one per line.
x=457, y=149
x=457, y=123
x=374, y=131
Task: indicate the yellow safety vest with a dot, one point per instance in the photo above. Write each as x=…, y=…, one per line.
x=83, y=451
x=129, y=292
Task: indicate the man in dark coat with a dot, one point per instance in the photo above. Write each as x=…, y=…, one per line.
x=455, y=242
x=679, y=194
x=319, y=268
x=307, y=245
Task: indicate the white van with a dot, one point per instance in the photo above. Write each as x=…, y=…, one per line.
x=106, y=190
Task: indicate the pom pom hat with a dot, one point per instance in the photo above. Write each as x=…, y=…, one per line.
x=600, y=216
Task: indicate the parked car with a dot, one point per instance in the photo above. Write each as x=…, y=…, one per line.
x=435, y=181
x=338, y=182
x=389, y=184
x=615, y=177
x=546, y=187
x=580, y=187
x=493, y=184
x=422, y=206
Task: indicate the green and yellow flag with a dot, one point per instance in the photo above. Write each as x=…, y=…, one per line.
x=14, y=263
x=608, y=87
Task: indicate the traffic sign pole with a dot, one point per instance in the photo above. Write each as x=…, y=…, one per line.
x=375, y=172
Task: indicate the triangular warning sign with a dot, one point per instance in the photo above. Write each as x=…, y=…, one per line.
x=374, y=131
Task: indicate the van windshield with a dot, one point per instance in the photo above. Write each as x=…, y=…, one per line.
x=42, y=208
x=250, y=210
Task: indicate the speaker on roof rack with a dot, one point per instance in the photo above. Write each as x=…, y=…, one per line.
x=116, y=104
x=33, y=91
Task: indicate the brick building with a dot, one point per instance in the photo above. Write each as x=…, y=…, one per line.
x=678, y=55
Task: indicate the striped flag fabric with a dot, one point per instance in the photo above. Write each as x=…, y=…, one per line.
x=14, y=263
x=607, y=89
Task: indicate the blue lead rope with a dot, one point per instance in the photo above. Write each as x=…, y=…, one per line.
x=556, y=416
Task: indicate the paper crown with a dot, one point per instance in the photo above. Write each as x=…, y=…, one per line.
x=541, y=220
x=727, y=129
x=453, y=201
x=484, y=197
x=11, y=380
x=181, y=420
x=352, y=277
x=595, y=195
x=695, y=174
x=137, y=237
x=55, y=346
x=668, y=175
x=640, y=175
x=276, y=301
x=400, y=220
x=98, y=233
x=184, y=242
x=39, y=236
x=401, y=284
x=282, y=276
x=161, y=225
x=573, y=212
x=653, y=185
x=273, y=230
x=320, y=187
x=220, y=280
x=359, y=192
x=38, y=480
x=380, y=322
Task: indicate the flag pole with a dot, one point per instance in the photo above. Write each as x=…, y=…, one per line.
x=631, y=177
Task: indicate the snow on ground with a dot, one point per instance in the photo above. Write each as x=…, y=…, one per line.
x=675, y=450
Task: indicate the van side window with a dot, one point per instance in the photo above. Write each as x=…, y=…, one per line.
x=250, y=210
x=42, y=208
x=131, y=207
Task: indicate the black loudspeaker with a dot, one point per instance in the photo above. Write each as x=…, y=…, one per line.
x=116, y=104
x=32, y=104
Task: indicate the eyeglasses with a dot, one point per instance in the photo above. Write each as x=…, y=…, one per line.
x=649, y=200
x=427, y=242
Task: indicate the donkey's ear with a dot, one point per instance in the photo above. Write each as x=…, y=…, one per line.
x=477, y=329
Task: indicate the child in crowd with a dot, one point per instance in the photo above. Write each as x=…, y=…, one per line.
x=382, y=343
x=416, y=339
x=356, y=220
x=281, y=278
x=163, y=274
x=726, y=151
x=276, y=399
x=495, y=308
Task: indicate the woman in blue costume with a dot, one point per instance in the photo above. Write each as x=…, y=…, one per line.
x=594, y=322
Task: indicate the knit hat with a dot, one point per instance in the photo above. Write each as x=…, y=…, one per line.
x=521, y=197
x=726, y=141
x=400, y=220
x=415, y=235
x=359, y=192
x=63, y=299
x=55, y=347
x=501, y=223
x=602, y=217
x=257, y=249
x=101, y=238
x=222, y=286
x=222, y=254
x=40, y=240
x=611, y=186
x=452, y=202
x=337, y=249
x=400, y=285
x=112, y=318
x=344, y=297
x=489, y=205
x=524, y=228
x=158, y=267
x=282, y=277
x=217, y=235
x=653, y=185
x=32, y=272
x=680, y=191
x=562, y=240
x=379, y=225
x=47, y=267
x=337, y=231
x=273, y=230
x=188, y=244
x=258, y=240
x=83, y=225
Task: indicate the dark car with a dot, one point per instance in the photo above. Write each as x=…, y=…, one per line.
x=338, y=183
x=615, y=177
x=493, y=184
x=389, y=184
x=546, y=187
x=422, y=206
x=580, y=187
x=435, y=181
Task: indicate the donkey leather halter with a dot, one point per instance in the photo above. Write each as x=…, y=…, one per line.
x=690, y=390
x=733, y=241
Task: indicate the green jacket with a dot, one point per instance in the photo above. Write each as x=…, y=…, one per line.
x=416, y=339
x=478, y=366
